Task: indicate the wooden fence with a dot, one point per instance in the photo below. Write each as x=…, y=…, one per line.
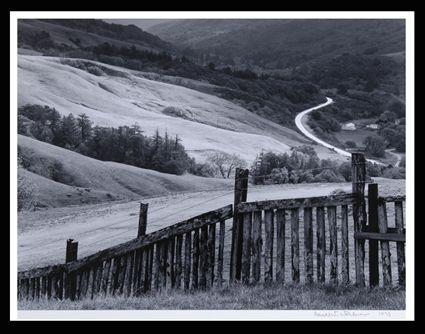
x=301, y=240
x=314, y=240
x=180, y=256
x=322, y=239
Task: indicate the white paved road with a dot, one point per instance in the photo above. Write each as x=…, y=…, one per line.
x=302, y=128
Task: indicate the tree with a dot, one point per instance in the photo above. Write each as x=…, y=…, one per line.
x=328, y=175
x=387, y=117
x=85, y=126
x=345, y=170
x=375, y=146
x=280, y=175
x=69, y=135
x=225, y=163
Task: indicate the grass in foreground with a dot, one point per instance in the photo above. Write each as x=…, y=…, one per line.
x=289, y=297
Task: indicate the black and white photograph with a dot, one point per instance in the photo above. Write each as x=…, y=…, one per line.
x=212, y=165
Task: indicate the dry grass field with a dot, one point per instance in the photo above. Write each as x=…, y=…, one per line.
x=288, y=297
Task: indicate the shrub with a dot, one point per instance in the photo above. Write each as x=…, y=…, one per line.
x=26, y=193
x=394, y=173
x=328, y=175
x=375, y=146
x=202, y=169
x=350, y=144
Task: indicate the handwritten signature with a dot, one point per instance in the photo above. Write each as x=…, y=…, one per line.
x=348, y=313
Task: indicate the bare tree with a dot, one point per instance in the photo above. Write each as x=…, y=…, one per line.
x=225, y=163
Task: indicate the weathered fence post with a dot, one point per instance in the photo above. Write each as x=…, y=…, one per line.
x=71, y=250
x=71, y=279
x=241, y=192
x=143, y=219
x=372, y=196
x=385, y=245
x=398, y=206
x=358, y=172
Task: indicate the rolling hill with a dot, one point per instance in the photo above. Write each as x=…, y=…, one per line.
x=59, y=177
x=283, y=43
x=79, y=33
x=113, y=96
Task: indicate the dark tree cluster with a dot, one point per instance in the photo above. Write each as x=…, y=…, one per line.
x=37, y=40
x=130, y=52
x=320, y=121
x=124, y=144
x=303, y=165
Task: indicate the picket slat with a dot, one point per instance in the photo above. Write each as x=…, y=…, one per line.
x=178, y=261
x=246, y=247
x=295, y=245
x=308, y=244
x=257, y=246
x=280, y=245
x=105, y=276
x=333, y=242
x=203, y=258
x=170, y=264
x=345, y=265
x=137, y=279
x=321, y=244
x=128, y=274
x=220, y=256
x=195, y=259
x=148, y=259
x=268, y=256
x=187, y=259
x=401, y=264
x=385, y=245
x=211, y=255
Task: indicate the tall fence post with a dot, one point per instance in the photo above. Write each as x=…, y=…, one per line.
x=372, y=197
x=358, y=172
x=143, y=219
x=71, y=250
x=241, y=192
x=71, y=279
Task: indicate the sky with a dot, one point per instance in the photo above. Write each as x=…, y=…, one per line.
x=141, y=23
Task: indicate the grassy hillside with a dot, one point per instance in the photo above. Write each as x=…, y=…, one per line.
x=331, y=54
x=276, y=297
x=113, y=96
x=129, y=47
x=61, y=177
x=68, y=34
x=283, y=43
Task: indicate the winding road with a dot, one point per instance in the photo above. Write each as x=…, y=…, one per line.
x=302, y=128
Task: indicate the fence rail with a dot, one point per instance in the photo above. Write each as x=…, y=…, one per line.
x=302, y=240
x=152, y=261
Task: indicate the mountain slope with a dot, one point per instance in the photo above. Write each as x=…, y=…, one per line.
x=61, y=177
x=80, y=33
x=115, y=96
x=283, y=43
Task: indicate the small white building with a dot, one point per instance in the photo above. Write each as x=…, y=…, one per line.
x=373, y=126
x=349, y=127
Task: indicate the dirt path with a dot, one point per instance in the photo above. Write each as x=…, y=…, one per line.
x=397, y=155
x=42, y=241
x=95, y=227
